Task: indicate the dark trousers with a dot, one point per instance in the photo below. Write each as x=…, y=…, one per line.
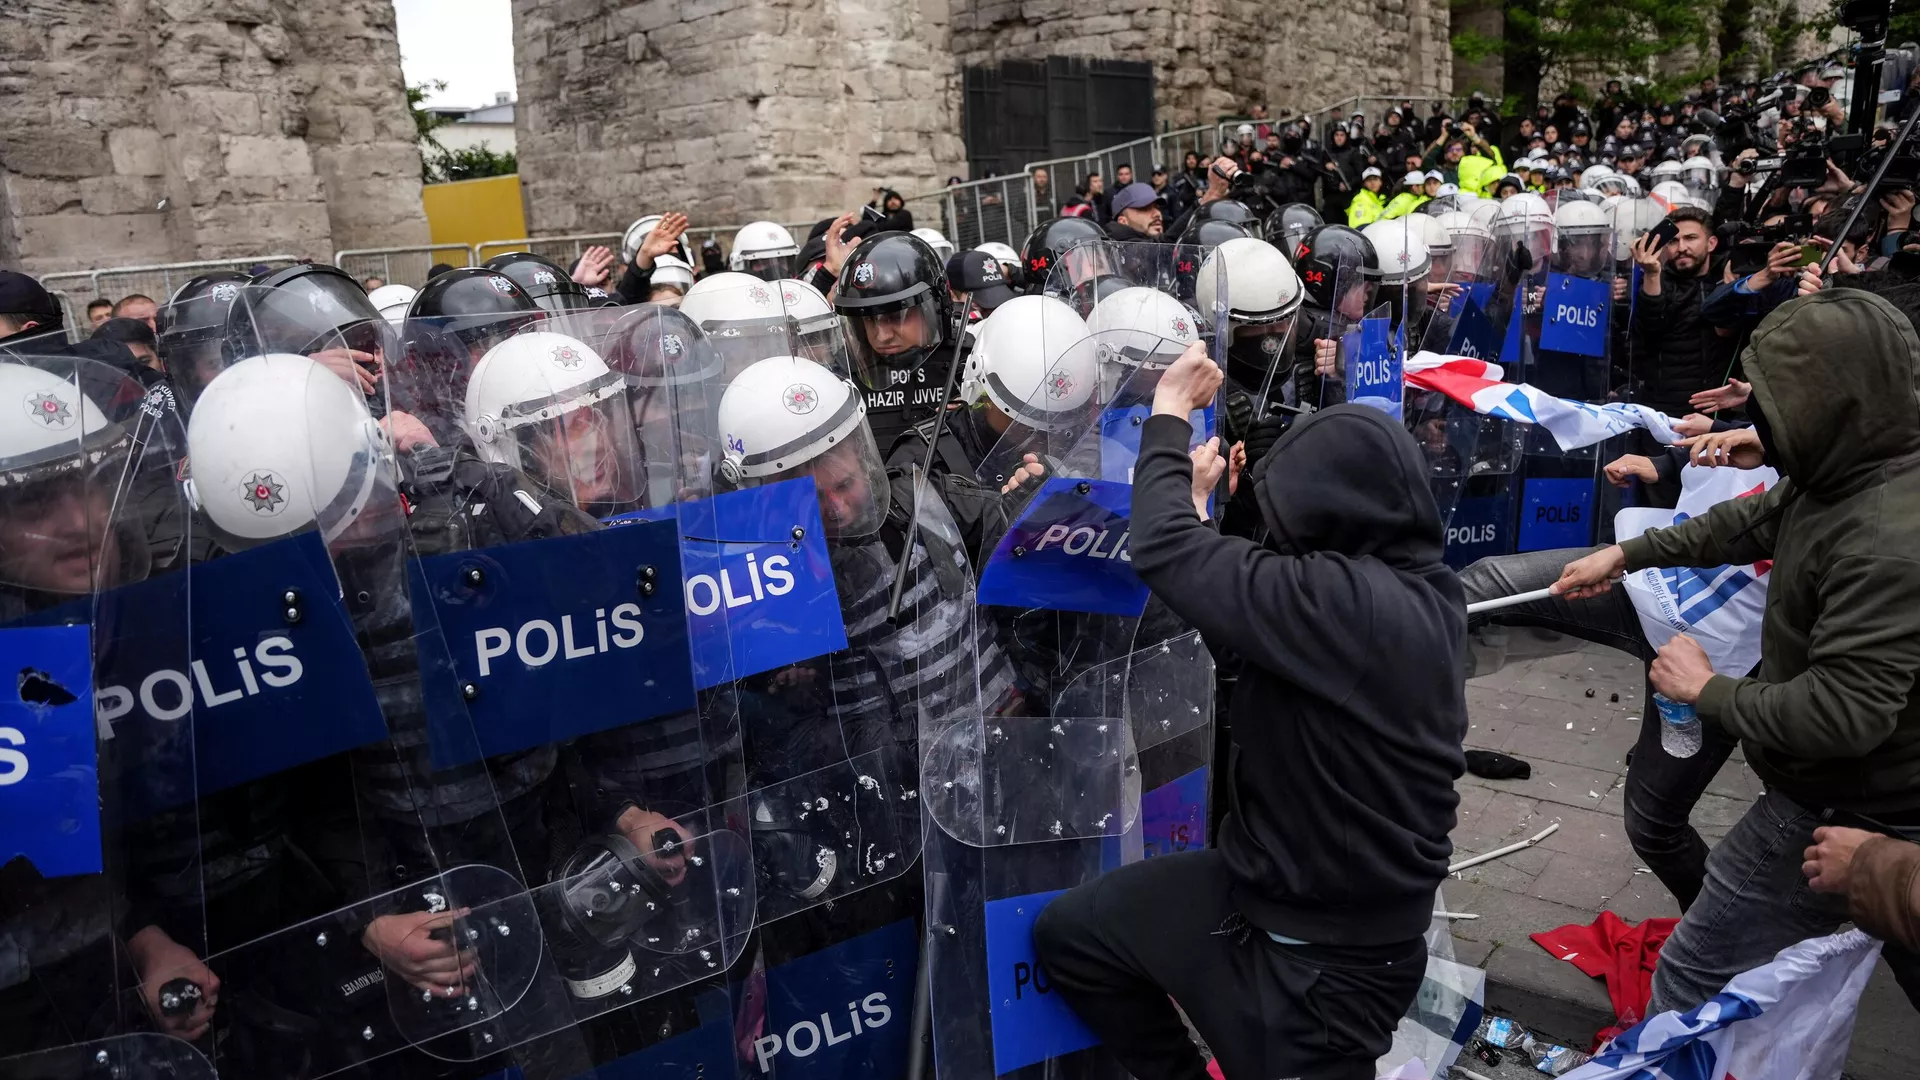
x=1661, y=789
x=1119, y=947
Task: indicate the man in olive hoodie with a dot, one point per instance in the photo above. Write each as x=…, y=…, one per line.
x=1830, y=722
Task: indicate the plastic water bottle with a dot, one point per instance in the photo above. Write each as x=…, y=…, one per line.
x=1679, y=727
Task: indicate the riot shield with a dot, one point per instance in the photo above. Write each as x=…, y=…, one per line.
x=339, y=854
x=99, y=808
x=565, y=662
x=1354, y=292
x=1025, y=802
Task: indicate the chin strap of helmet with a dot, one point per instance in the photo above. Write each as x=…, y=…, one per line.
x=925, y=468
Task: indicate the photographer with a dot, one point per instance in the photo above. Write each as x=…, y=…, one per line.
x=1453, y=161
x=1678, y=353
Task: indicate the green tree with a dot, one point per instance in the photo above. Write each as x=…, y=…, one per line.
x=426, y=122
x=472, y=163
x=1562, y=37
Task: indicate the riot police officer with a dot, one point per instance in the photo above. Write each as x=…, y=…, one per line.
x=900, y=331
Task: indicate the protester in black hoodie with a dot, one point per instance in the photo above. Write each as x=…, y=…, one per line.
x=1295, y=947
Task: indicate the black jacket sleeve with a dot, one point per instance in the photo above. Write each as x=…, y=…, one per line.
x=636, y=285
x=1303, y=618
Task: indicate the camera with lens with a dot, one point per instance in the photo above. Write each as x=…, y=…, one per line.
x=1817, y=98
x=1457, y=128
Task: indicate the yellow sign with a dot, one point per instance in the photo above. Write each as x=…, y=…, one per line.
x=475, y=211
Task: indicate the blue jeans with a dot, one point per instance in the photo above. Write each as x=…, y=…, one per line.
x=1757, y=902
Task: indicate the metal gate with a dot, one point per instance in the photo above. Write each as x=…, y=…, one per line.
x=401, y=265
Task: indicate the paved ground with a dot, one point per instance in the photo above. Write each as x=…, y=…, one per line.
x=1535, y=707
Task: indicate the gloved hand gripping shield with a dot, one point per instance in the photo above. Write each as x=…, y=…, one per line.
x=571, y=661
x=99, y=812
x=1044, y=792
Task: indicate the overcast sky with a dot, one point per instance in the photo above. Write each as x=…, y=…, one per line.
x=468, y=43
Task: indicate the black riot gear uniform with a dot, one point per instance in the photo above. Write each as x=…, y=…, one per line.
x=893, y=295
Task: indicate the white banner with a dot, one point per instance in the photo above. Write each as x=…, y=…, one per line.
x=1719, y=606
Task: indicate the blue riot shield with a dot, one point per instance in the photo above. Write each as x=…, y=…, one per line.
x=100, y=831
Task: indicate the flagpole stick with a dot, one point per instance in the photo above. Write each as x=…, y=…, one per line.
x=1510, y=601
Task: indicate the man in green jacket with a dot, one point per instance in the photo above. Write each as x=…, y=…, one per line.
x=1367, y=204
x=1830, y=724
x=1409, y=199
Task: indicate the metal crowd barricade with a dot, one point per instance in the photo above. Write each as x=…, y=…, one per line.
x=401, y=265
x=998, y=208
x=565, y=250
x=160, y=281
x=1172, y=147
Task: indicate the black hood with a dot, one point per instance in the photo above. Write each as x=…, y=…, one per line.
x=1349, y=480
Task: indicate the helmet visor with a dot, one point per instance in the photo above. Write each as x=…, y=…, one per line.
x=585, y=453
x=769, y=267
x=851, y=483
x=887, y=345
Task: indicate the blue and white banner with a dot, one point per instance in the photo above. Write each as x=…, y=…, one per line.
x=1573, y=424
x=49, y=776
x=1718, y=606
x=1576, y=315
x=1785, y=1020
x=759, y=597
x=1068, y=552
x=546, y=640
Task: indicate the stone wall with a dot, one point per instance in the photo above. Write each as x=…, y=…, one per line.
x=153, y=131
x=1215, y=58
x=728, y=109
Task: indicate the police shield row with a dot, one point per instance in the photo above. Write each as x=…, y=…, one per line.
x=458, y=686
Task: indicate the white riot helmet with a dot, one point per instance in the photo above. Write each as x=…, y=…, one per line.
x=673, y=271
x=1630, y=186
x=1581, y=230
x=547, y=404
x=280, y=443
x=637, y=234
x=60, y=457
x=1402, y=254
x=1471, y=240
x=816, y=326
x=1590, y=179
x=1036, y=362
x=942, y=247
x=744, y=317
x=1580, y=217
x=786, y=417
x=392, y=301
x=1699, y=174
x=1630, y=218
x=763, y=249
x=1438, y=239
x=1262, y=287
x=1008, y=258
x=1669, y=169
x=1143, y=327
x=1673, y=193
x=1459, y=223
x=1525, y=220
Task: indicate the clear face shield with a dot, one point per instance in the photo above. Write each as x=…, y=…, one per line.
x=580, y=446
x=769, y=267
x=58, y=492
x=674, y=385
x=325, y=316
x=885, y=344
x=850, y=481
x=743, y=323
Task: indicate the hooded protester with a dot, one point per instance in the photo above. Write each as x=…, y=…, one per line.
x=1829, y=723
x=1294, y=951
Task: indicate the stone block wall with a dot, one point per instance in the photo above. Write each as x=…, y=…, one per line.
x=154, y=131
x=1215, y=58
x=729, y=109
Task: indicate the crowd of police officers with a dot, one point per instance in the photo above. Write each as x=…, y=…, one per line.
x=400, y=521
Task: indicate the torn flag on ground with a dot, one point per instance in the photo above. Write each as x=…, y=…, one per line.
x=1573, y=424
x=1785, y=1020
